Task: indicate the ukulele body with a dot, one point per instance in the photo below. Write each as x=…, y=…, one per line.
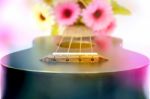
x=26, y=77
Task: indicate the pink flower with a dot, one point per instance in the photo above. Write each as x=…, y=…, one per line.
x=6, y=37
x=67, y=13
x=2, y=2
x=98, y=15
x=110, y=28
x=103, y=41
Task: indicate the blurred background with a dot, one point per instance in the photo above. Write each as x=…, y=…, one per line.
x=18, y=28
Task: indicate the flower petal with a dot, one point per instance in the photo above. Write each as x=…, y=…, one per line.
x=67, y=13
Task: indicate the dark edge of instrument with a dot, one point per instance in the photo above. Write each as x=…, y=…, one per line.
x=20, y=84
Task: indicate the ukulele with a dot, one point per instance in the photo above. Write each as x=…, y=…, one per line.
x=75, y=46
x=72, y=66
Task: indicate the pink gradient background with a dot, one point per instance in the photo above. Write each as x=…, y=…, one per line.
x=18, y=28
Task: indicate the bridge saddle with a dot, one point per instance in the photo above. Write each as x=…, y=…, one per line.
x=74, y=58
